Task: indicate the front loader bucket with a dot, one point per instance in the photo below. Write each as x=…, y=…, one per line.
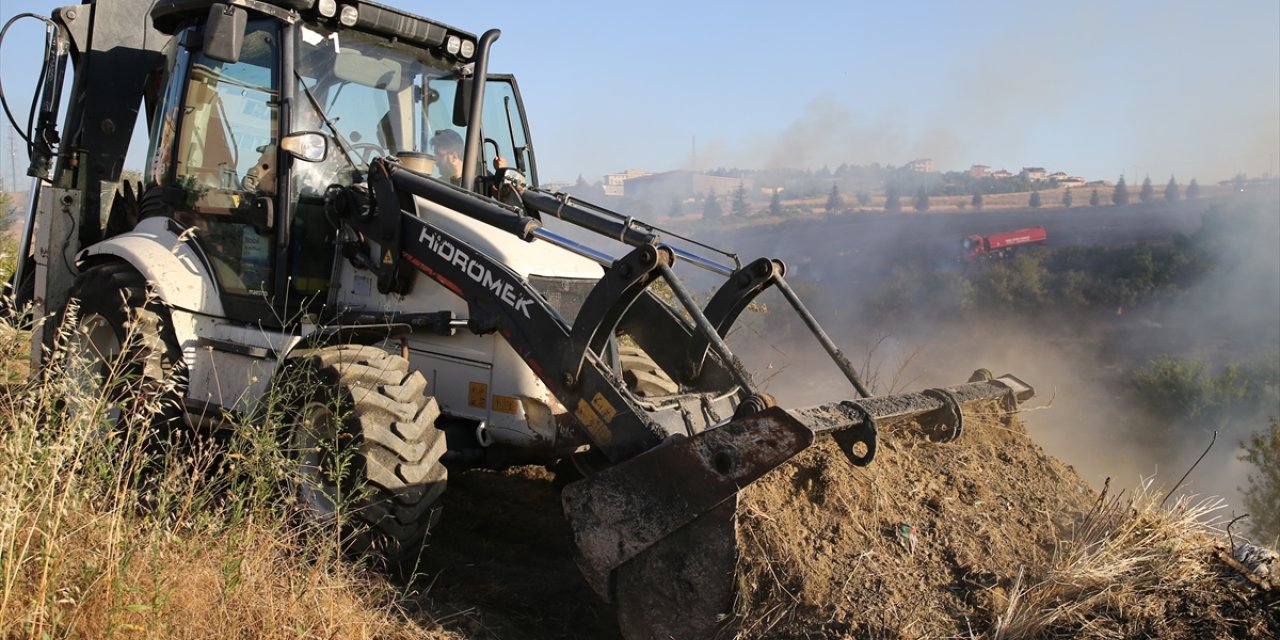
x=657, y=534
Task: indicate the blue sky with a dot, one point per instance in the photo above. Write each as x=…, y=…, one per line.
x=1092, y=88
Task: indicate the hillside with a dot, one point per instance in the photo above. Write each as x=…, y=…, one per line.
x=983, y=537
x=986, y=536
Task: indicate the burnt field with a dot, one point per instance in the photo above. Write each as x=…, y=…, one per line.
x=866, y=244
x=945, y=320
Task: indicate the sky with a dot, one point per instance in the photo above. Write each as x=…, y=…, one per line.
x=1092, y=88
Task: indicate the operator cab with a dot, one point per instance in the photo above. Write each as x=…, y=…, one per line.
x=262, y=111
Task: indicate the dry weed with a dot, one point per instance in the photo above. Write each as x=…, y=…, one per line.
x=1123, y=556
x=105, y=534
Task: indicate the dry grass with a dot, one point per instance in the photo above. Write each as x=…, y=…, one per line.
x=1123, y=558
x=104, y=536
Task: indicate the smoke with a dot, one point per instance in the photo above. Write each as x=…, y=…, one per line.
x=827, y=132
x=1185, y=89
x=1082, y=365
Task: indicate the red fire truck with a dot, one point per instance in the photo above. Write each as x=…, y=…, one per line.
x=1005, y=243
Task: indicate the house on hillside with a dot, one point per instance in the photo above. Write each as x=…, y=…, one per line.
x=614, y=183
x=921, y=165
x=1001, y=174
x=662, y=188
x=979, y=171
x=1034, y=174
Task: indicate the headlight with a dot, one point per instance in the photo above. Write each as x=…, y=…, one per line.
x=453, y=44
x=468, y=48
x=350, y=15
x=327, y=8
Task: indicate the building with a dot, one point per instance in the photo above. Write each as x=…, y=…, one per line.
x=1034, y=174
x=1001, y=174
x=979, y=171
x=662, y=188
x=922, y=165
x=615, y=183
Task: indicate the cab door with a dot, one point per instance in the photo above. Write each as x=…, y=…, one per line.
x=506, y=131
x=216, y=156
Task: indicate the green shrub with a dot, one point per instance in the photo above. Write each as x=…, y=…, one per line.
x=1262, y=495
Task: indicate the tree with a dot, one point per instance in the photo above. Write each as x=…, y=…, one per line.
x=740, y=207
x=976, y=200
x=1066, y=199
x=1262, y=496
x=676, y=209
x=711, y=207
x=1121, y=195
x=1095, y=199
x=7, y=220
x=775, y=203
x=1193, y=190
x=1171, y=190
x=922, y=200
x=891, y=200
x=1147, y=193
x=1035, y=200
x=864, y=198
x=581, y=183
x=834, y=202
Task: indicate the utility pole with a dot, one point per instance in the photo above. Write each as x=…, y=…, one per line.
x=13, y=160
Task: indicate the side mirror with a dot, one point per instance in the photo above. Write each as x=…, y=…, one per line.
x=224, y=32
x=310, y=146
x=462, y=102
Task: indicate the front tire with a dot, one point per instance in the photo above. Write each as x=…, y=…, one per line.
x=126, y=348
x=362, y=429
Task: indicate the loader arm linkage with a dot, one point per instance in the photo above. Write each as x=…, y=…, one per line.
x=677, y=466
x=569, y=359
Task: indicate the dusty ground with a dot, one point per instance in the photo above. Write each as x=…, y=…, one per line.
x=932, y=540
x=500, y=563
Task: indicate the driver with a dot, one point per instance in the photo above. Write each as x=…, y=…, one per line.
x=447, y=145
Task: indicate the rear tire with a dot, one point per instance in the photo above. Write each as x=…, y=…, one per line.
x=363, y=430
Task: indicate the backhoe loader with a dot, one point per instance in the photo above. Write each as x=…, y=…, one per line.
x=299, y=218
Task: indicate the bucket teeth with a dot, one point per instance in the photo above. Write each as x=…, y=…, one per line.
x=621, y=511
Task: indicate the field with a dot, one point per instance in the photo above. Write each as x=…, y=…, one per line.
x=104, y=534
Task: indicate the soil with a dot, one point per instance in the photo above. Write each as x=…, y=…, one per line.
x=930, y=540
x=500, y=563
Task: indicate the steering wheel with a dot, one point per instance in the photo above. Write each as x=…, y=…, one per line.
x=366, y=151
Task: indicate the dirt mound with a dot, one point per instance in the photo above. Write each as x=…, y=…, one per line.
x=985, y=536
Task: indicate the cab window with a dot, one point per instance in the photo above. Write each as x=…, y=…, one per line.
x=504, y=128
x=226, y=158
